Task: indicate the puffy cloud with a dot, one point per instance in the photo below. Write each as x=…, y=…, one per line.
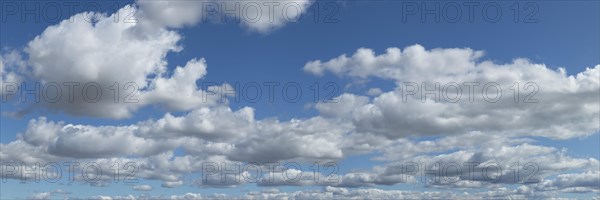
x=93, y=50
x=74, y=140
x=374, y=92
x=101, y=52
x=180, y=92
x=142, y=187
x=343, y=193
x=11, y=65
x=187, y=196
x=172, y=184
x=47, y=195
x=370, y=179
x=347, y=104
x=401, y=149
x=213, y=135
x=487, y=164
x=261, y=16
x=588, y=181
x=105, y=52
x=21, y=151
x=215, y=124
x=40, y=196
x=175, y=14
x=237, y=136
x=410, y=63
x=264, y=16
x=566, y=105
x=220, y=130
x=314, y=138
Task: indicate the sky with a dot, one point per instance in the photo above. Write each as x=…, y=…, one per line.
x=300, y=99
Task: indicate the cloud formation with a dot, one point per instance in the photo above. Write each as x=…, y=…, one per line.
x=387, y=124
x=449, y=91
x=91, y=55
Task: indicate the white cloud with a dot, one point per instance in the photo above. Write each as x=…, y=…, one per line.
x=535, y=163
x=106, y=52
x=271, y=14
x=74, y=141
x=214, y=124
x=314, y=138
x=180, y=91
x=582, y=182
x=262, y=16
x=367, y=193
x=142, y=187
x=40, y=196
x=103, y=52
x=374, y=92
x=11, y=65
x=305, y=140
x=234, y=134
x=172, y=184
x=93, y=48
x=175, y=14
x=396, y=114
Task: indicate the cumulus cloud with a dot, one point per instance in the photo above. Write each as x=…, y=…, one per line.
x=261, y=16
x=11, y=67
x=213, y=135
x=264, y=16
x=104, y=52
x=550, y=102
x=48, y=195
x=314, y=138
x=113, y=143
x=124, y=62
x=174, y=14
x=180, y=92
x=40, y=196
x=73, y=140
x=142, y=187
x=374, y=92
x=367, y=193
x=235, y=134
x=588, y=181
x=485, y=161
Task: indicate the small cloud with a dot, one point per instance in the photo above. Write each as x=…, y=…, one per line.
x=40, y=195
x=172, y=184
x=374, y=92
x=142, y=187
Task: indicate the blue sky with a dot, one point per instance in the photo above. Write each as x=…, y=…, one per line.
x=564, y=35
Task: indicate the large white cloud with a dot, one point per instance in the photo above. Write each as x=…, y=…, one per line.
x=151, y=145
x=565, y=106
x=94, y=48
x=204, y=131
x=104, y=52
